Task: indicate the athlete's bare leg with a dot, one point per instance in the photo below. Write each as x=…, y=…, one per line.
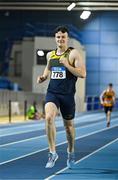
x=108, y=118
x=50, y=114
x=70, y=134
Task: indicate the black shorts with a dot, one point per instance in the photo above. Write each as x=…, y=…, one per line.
x=106, y=109
x=66, y=103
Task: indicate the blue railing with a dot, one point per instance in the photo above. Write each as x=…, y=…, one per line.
x=93, y=103
x=7, y=84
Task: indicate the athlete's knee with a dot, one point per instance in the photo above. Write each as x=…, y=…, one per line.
x=49, y=119
x=69, y=127
x=109, y=112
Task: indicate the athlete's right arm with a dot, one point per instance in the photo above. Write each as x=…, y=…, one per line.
x=101, y=97
x=46, y=72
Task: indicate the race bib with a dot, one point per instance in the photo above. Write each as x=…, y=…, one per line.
x=58, y=73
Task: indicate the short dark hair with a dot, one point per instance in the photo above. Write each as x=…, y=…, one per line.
x=110, y=84
x=63, y=29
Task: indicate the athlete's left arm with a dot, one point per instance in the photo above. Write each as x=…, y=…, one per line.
x=114, y=97
x=75, y=64
x=79, y=70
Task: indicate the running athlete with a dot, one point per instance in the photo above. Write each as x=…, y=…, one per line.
x=107, y=99
x=64, y=65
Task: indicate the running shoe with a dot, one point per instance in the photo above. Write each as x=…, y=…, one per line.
x=51, y=160
x=108, y=124
x=71, y=160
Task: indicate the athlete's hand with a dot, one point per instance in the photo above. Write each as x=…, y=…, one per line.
x=102, y=103
x=64, y=61
x=40, y=79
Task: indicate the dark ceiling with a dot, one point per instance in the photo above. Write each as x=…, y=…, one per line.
x=58, y=4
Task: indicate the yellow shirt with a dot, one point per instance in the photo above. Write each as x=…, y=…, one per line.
x=108, y=98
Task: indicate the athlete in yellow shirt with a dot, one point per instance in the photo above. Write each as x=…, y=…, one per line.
x=107, y=99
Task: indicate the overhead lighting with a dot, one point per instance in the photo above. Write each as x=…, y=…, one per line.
x=71, y=6
x=40, y=53
x=85, y=14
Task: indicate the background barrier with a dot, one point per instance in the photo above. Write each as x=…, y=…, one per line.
x=93, y=103
x=14, y=105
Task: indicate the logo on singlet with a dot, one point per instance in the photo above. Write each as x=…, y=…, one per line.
x=58, y=73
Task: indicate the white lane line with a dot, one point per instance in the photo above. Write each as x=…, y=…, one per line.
x=24, y=140
x=36, y=137
x=42, y=125
x=28, y=139
x=85, y=157
x=23, y=131
x=20, y=157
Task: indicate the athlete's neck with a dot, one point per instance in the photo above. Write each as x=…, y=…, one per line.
x=61, y=50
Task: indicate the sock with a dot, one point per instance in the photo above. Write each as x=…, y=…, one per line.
x=53, y=152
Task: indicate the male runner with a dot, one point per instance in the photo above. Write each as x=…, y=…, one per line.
x=107, y=99
x=64, y=65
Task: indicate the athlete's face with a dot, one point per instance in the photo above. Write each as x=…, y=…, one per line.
x=61, y=39
x=110, y=88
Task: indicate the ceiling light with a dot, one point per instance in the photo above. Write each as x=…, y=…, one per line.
x=71, y=6
x=40, y=53
x=85, y=14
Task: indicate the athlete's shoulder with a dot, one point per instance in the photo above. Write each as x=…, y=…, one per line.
x=71, y=48
x=113, y=92
x=104, y=92
x=50, y=54
x=74, y=53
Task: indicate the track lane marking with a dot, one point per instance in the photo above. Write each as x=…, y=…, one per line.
x=85, y=157
x=29, y=154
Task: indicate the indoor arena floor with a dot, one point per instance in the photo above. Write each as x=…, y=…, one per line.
x=24, y=149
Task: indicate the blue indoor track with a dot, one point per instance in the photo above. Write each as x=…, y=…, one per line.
x=24, y=150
